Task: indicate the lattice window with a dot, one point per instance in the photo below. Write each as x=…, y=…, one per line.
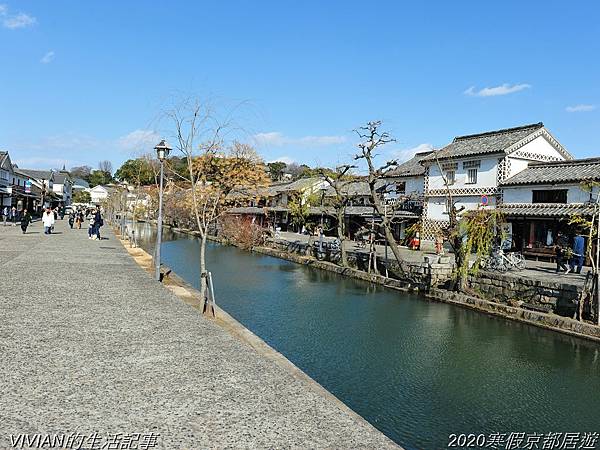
x=473, y=164
x=490, y=190
x=535, y=156
x=449, y=166
x=471, y=176
x=503, y=170
x=431, y=228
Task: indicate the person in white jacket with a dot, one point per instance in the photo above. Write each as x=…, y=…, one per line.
x=48, y=221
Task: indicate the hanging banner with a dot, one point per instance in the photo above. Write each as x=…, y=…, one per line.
x=506, y=236
x=28, y=187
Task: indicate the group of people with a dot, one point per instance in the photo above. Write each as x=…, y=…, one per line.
x=11, y=215
x=78, y=217
x=51, y=215
x=574, y=256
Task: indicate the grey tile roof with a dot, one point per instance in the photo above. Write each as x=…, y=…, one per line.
x=60, y=177
x=36, y=174
x=301, y=184
x=575, y=170
x=5, y=161
x=246, y=210
x=546, y=209
x=410, y=168
x=355, y=188
x=490, y=142
x=80, y=182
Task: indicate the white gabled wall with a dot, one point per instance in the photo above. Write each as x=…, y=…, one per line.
x=486, y=174
x=541, y=146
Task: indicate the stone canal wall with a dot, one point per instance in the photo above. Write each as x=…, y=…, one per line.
x=545, y=296
x=417, y=276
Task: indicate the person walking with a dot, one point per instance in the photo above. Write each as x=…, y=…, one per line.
x=559, y=251
x=48, y=221
x=5, y=214
x=25, y=220
x=71, y=219
x=13, y=216
x=98, y=222
x=578, y=253
x=91, y=227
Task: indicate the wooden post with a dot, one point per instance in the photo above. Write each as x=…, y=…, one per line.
x=209, y=298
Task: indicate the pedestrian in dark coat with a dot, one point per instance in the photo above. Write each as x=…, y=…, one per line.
x=25, y=220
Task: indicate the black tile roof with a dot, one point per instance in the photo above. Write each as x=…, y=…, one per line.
x=546, y=209
x=36, y=174
x=410, y=168
x=575, y=170
x=489, y=142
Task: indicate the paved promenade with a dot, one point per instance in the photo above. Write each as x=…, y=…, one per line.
x=89, y=343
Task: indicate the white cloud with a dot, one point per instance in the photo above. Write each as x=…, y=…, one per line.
x=20, y=20
x=503, y=89
x=580, y=108
x=277, y=139
x=3, y=10
x=406, y=154
x=139, y=140
x=41, y=162
x=48, y=57
x=283, y=159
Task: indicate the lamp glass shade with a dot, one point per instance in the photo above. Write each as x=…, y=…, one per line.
x=162, y=150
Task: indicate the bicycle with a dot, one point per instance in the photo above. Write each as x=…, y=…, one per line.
x=502, y=262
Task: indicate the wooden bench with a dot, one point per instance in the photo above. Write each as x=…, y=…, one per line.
x=537, y=253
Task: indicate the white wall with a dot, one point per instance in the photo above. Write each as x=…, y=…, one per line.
x=524, y=194
x=486, y=174
x=517, y=165
x=414, y=185
x=541, y=146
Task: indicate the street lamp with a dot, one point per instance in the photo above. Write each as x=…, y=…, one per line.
x=162, y=152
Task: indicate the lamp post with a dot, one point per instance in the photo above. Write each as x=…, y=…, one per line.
x=162, y=151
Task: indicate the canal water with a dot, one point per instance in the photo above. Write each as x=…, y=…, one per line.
x=417, y=370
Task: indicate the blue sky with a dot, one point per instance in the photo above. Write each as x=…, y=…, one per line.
x=85, y=81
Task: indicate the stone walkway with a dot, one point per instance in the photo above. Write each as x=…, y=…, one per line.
x=90, y=343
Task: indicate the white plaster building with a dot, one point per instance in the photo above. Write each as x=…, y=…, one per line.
x=100, y=193
x=475, y=165
x=6, y=174
x=63, y=186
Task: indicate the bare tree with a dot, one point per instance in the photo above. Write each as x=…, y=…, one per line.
x=82, y=172
x=372, y=139
x=340, y=182
x=106, y=167
x=200, y=137
x=452, y=233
